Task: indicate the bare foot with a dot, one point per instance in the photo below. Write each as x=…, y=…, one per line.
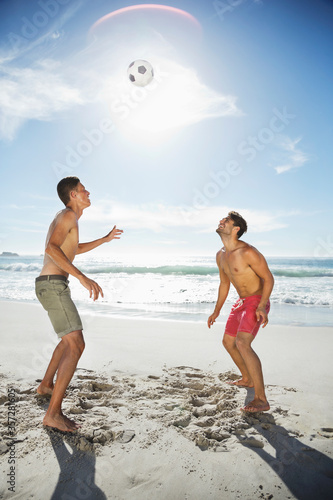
x=240, y=383
x=256, y=405
x=43, y=390
x=71, y=422
x=60, y=422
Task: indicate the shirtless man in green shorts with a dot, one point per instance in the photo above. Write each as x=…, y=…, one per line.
x=62, y=245
x=242, y=265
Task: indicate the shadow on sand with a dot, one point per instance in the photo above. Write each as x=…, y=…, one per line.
x=307, y=472
x=77, y=469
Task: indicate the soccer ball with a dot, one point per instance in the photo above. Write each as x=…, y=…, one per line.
x=140, y=72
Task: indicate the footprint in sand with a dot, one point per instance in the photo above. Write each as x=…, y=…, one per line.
x=84, y=404
x=182, y=421
x=102, y=386
x=194, y=375
x=252, y=442
x=206, y=409
x=202, y=442
x=217, y=434
x=103, y=435
x=125, y=436
x=196, y=401
x=205, y=422
x=326, y=432
x=75, y=410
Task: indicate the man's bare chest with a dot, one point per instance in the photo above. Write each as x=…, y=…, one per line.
x=234, y=267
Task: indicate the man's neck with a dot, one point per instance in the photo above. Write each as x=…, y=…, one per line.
x=78, y=211
x=229, y=242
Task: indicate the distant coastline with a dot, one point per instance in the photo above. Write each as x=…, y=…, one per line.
x=9, y=254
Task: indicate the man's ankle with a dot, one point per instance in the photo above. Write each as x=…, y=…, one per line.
x=46, y=383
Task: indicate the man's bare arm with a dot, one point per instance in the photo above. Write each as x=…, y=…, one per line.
x=63, y=226
x=222, y=294
x=258, y=264
x=114, y=234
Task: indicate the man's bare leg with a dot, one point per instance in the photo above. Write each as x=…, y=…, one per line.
x=46, y=385
x=73, y=348
x=229, y=343
x=253, y=365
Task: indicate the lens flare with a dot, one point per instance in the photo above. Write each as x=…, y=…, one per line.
x=153, y=8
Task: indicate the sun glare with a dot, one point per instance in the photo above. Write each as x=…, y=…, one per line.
x=177, y=97
x=174, y=99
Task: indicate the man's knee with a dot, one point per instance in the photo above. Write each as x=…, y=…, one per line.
x=228, y=342
x=243, y=342
x=80, y=344
x=75, y=341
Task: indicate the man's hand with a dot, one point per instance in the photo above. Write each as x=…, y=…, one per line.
x=262, y=316
x=114, y=234
x=212, y=319
x=92, y=286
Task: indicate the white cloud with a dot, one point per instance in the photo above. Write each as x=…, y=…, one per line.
x=292, y=156
x=175, y=98
x=33, y=93
x=42, y=89
x=178, y=99
x=160, y=217
x=47, y=87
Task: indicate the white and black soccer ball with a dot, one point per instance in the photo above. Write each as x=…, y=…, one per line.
x=140, y=72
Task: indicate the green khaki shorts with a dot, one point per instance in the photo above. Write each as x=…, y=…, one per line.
x=55, y=297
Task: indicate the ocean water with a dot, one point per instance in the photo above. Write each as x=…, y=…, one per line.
x=179, y=288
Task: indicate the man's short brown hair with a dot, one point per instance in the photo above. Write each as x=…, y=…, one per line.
x=238, y=221
x=65, y=186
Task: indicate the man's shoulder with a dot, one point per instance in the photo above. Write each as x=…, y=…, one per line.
x=219, y=253
x=246, y=247
x=249, y=251
x=66, y=217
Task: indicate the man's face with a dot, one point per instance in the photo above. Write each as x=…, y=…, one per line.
x=225, y=226
x=82, y=195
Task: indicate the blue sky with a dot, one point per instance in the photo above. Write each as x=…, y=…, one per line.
x=238, y=117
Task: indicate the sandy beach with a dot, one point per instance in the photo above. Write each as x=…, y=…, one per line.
x=159, y=420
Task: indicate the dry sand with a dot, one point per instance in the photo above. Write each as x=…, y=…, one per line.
x=159, y=420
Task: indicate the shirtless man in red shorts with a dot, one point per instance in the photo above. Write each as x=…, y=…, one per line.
x=242, y=265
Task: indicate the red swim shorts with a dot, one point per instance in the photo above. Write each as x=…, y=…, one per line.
x=242, y=317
